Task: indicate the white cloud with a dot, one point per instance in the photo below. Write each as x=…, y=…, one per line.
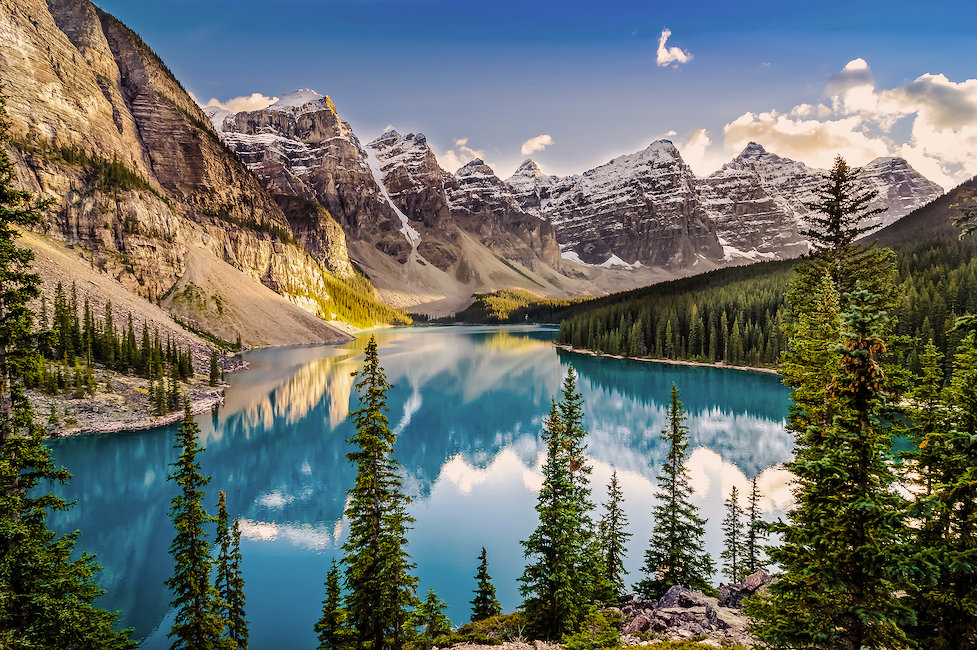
x=461, y=155
x=670, y=56
x=858, y=121
x=699, y=154
x=252, y=102
x=538, y=143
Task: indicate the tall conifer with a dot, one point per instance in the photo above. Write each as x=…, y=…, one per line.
x=198, y=623
x=676, y=553
x=558, y=582
x=381, y=589
x=229, y=582
x=754, y=555
x=331, y=628
x=484, y=604
x=613, y=538
x=733, y=553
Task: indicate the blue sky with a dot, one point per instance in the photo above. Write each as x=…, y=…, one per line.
x=493, y=75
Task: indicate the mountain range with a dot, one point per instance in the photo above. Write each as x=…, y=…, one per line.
x=217, y=216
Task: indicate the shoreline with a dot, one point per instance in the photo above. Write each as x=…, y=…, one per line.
x=671, y=362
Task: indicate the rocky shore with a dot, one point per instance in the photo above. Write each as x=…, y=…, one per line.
x=127, y=407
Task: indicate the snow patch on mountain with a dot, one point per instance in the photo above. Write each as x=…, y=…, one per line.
x=411, y=234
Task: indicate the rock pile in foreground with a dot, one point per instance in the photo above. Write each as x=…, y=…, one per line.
x=683, y=614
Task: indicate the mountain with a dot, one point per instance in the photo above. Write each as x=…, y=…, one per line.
x=758, y=199
x=640, y=208
x=428, y=239
x=648, y=208
x=148, y=194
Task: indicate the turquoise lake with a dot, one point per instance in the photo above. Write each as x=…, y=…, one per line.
x=467, y=404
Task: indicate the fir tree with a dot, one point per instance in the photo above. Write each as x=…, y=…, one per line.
x=214, y=370
x=841, y=552
x=944, y=470
x=47, y=592
x=198, y=623
x=484, y=604
x=733, y=552
x=380, y=587
x=676, y=553
x=613, y=535
x=331, y=628
x=430, y=621
x=753, y=559
x=558, y=582
x=230, y=583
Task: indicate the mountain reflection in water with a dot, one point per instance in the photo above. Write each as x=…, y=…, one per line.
x=467, y=404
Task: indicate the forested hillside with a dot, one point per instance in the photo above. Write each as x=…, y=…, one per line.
x=734, y=315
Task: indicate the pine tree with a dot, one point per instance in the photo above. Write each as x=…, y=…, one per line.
x=676, y=553
x=198, y=623
x=380, y=587
x=733, y=552
x=331, y=628
x=754, y=555
x=944, y=471
x=214, y=370
x=230, y=583
x=429, y=619
x=558, y=582
x=484, y=604
x=613, y=536
x=47, y=592
x=841, y=550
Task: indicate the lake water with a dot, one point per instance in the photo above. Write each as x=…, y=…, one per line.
x=467, y=404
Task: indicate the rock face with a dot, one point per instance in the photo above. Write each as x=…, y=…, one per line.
x=484, y=204
x=643, y=207
x=682, y=613
x=409, y=222
x=758, y=199
x=86, y=93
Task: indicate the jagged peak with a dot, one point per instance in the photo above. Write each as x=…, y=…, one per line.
x=299, y=99
x=754, y=148
x=529, y=168
x=476, y=167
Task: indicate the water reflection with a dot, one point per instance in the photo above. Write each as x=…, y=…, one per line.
x=467, y=403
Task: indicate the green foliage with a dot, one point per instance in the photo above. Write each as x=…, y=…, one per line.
x=612, y=536
x=754, y=553
x=943, y=470
x=230, y=582
x=676, y=552
x=733, y=548
x=841, y=552
x=47, y=591
x=484, y=604
x=381, y=589
x=198, y=622
x=331, y=627
x=77, y=340
x=214, y=369
x=354, y=301
x=430, y=621
x=598, y=630
x=492, y=631
x=513, y=306
x=558, y=581
x=693, y=318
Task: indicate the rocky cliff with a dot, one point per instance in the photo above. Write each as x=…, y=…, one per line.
x=643, y=207
x=648, y=207
x=758, y=199
x=137, y=172
x=425, y=241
